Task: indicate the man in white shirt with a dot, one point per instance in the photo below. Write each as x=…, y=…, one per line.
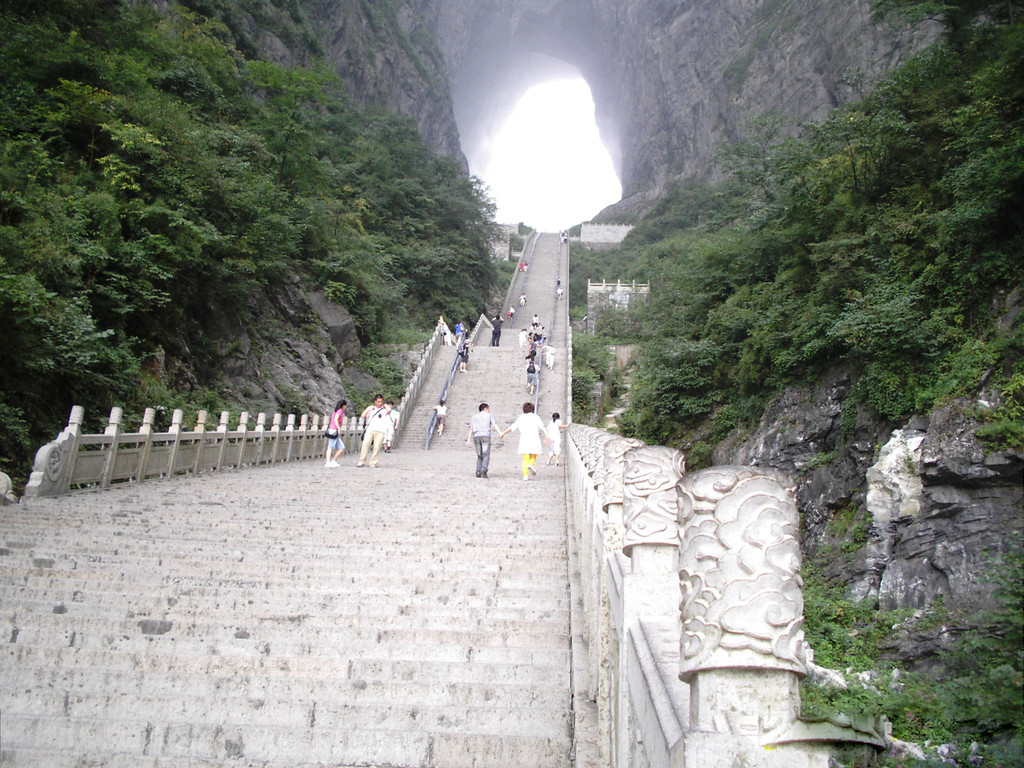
x=376, y=420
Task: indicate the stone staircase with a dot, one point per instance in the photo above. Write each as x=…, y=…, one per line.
x=409, y=615
x=497, y=375
x=286, y=616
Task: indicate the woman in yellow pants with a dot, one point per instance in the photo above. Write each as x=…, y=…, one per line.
x=532, y=436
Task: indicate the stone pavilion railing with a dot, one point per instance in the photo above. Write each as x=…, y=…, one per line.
x=693, y=607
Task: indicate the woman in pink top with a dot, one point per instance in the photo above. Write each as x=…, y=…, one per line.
x=334, y=435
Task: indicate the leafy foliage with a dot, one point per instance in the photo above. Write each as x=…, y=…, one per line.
x=886, y=239
x=150, y=170
x=1003, y=427
x=880, y=238
x=977, y=698
x=591, y=361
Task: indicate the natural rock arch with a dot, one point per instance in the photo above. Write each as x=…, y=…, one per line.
x=671, y=80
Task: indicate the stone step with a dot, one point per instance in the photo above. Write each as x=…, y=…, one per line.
x=320, y=661
x=282, y=638
x=325, y=533
x=116, y=744
x=502, y=545
x=20, y=600
x=436, y=585
x=85, y=694
x=340, y=740
x=267, y=626
x=169, y=675
x=248, y=714
x=240, y=566
x=500, y=549
x=496, y=375
x=474, y=589
x=299, y=615
x=343, y=514
x=63, y=552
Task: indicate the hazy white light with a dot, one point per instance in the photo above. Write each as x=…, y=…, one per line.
x=548, y=167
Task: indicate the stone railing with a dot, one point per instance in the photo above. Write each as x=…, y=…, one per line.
x=693, y=612
x=75, y=460
x=415, y=384
x=471, y=337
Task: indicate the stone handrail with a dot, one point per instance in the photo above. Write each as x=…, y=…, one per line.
x=514, y=302
x=693, y=612
x=471, y=337
x=75, y=460
x=415, y=384
x=482, y=323
x=511, y=299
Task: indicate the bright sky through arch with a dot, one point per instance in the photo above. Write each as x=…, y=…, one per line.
x=548, y=167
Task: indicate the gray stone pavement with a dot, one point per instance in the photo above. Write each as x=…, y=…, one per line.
x=405, y=615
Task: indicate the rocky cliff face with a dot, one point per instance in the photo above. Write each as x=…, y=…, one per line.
x=288, y=348
x=389, y=59
x=671, y=80
x=906, y=517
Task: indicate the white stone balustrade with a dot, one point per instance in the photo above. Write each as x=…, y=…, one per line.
x=75, y=460
x=693, y=607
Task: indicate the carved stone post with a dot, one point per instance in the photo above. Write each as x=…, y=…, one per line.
x=113, y=431
x=290, y=430
x=306, y=431
x=742, y=598
x=261, y=427
x=200, y=430
x=649, y=591
x=148, y=417
x=742, y=646
x=650, y=510
x=276, y=432
x=55, y=461
x=243, y=429
x=175, y=429
x=222, y=435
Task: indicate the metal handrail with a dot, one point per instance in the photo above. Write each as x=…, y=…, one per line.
x=444, y=389
x=482, y=322
x=554, y=323
x=512, y=283
x=522, y=286
x=568, y=337
x=413, y=390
